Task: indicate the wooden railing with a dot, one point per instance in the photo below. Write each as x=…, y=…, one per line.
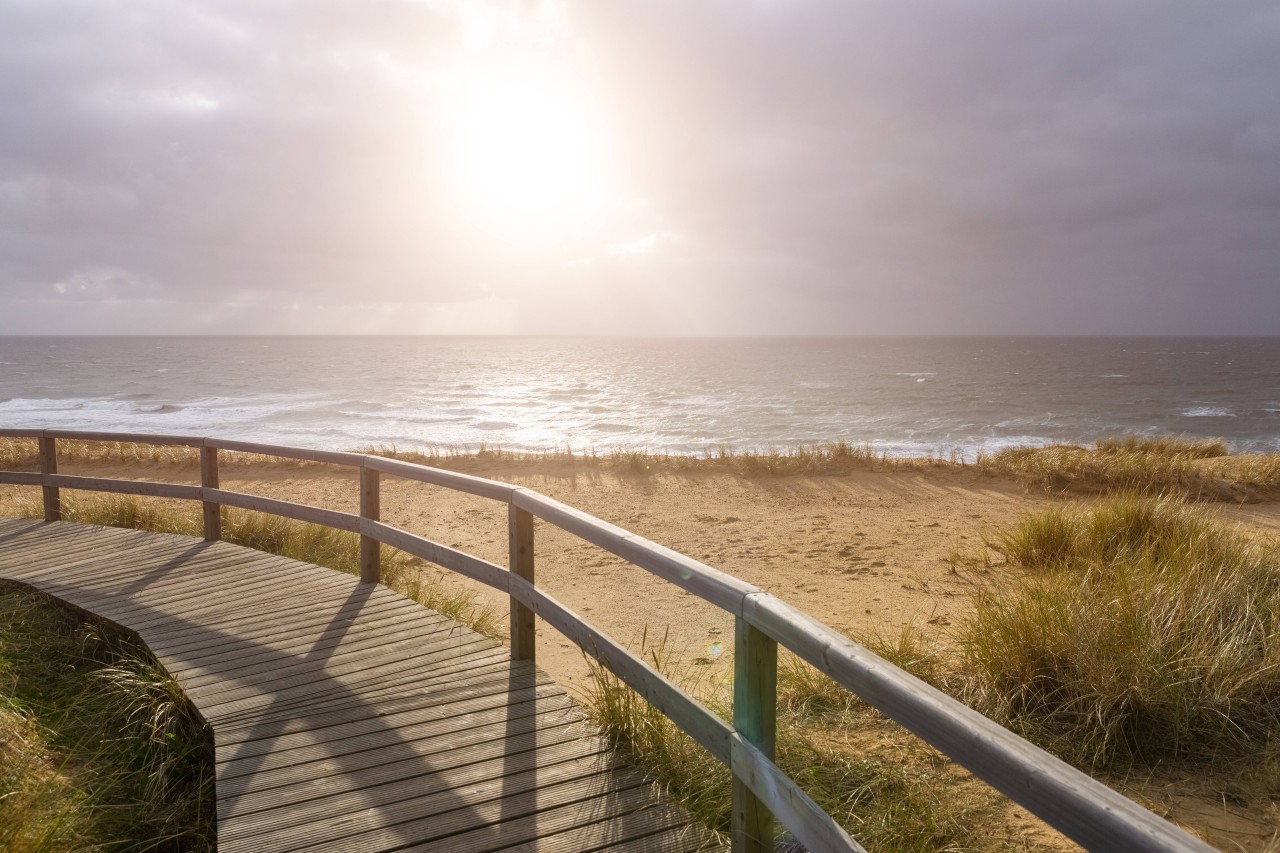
x=1080, y=807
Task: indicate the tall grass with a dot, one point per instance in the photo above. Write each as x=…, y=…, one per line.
x=309, y=543
x=888, y=790
x=1146, y=630
x=1200, y=468
x=98, y=747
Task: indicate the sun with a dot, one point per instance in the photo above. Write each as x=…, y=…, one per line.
x=528, y=157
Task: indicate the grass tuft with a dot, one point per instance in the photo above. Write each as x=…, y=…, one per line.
x=887, y=789
x=98, y=747
x=1148, y=630
x=1199, y=468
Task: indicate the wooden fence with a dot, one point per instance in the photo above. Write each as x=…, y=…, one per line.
x=1080, y=807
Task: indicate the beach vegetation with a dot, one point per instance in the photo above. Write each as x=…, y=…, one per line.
x=1195, y=468
x=886, y=788
x=1145, y=629
x=99, y=749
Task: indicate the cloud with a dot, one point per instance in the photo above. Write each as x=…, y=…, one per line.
x=986, y=167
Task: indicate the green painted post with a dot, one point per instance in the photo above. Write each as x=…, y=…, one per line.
x=755, y=716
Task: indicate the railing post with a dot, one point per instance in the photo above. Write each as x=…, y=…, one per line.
x=520, y=554
x=209, y=480
x=755, y=716
x=370, y=508
x=49, y=465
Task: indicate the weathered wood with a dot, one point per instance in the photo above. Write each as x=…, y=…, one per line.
x=370, y=509
x=124, y=487
x=723, y=590
x=520, y=549
x=287, y=509
x=126, y=437
x=814, y=828
x=755, y=716
x=9, y=432
x=685, y=711
x=435, y=476
x=464, y=564
x=209, y=480
x=330, y=457
x=375, y=732
x=21, y=478
x=49, y=467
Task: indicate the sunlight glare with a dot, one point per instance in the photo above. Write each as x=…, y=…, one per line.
x=528, y=159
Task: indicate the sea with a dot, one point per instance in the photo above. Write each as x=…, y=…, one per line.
x=906, y=396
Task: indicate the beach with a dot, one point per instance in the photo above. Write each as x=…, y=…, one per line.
x=869, y=552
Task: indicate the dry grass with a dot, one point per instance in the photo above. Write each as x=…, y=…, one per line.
x=1196, y=468
x=98, y=747
x=887, y=789
x=1146, y=630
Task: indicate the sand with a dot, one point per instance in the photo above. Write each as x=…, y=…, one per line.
x=866, y=553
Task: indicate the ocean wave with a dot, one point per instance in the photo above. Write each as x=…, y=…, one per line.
x=1207, y=412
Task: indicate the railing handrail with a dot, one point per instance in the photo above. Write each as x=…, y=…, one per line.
x=1072, y=802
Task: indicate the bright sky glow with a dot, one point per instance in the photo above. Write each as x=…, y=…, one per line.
x=528, y=158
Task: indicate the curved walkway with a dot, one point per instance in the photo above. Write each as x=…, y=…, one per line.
x=346, y=716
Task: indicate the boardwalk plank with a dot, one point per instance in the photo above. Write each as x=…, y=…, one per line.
x=346, y=716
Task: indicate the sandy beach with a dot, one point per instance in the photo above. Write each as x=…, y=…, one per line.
x=868, y=553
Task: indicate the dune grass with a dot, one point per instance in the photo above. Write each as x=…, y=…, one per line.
x=309, y=543
x=98, y=747
x=1200, y=468
x=890, y=791
x=1146, y=630
x=1197, y=468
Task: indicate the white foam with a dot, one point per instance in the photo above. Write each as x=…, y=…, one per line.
x=1208, y=412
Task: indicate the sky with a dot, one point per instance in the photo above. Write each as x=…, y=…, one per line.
x=755, y=167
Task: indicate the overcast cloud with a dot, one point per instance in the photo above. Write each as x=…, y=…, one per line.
x=1003, y=167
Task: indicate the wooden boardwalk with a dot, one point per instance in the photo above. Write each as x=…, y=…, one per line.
x=345, y=716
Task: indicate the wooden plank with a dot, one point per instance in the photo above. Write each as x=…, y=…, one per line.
x=516, y=819
x=287, y=509
x=702, y=725
x=299, y=783
x=661, y=828
x=755, y=716
x=524, y=637
x=334, y=658
x=422, y=738
x=1083, y=809
x=438, y=477
x=304, y=454
x=347, y=826
x=48, y=450
x=211, y=510
x=124, y=487
x=315, y=729
x=21, y=478
x=385, y=690
x=305, y=691
x=370, y=510
x=9, y=432
x=126, y=437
